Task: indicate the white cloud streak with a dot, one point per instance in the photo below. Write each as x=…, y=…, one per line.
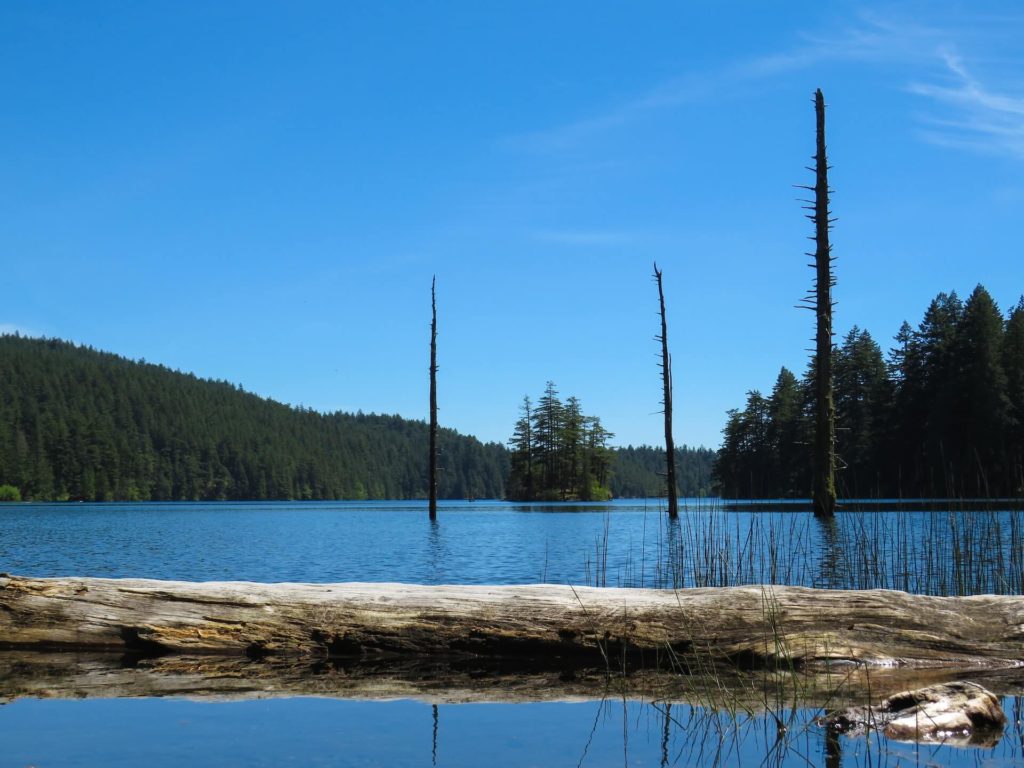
x=965, y=111
x=977, y=117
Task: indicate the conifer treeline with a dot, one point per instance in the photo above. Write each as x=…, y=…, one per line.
x=942, y=415
x=640, y=471
x=80, y=424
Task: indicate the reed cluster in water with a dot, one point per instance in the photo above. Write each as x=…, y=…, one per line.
x=955, y=551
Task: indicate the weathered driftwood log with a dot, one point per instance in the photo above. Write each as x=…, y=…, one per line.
x=747, y=625
x=962, y=713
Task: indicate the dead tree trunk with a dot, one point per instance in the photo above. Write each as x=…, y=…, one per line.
x=824, y=461
x=666, y=400
x=432, y=480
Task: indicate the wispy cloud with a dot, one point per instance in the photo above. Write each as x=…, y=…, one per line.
x=875, y=38
x=870, y=40
x=966, y=111
x=684, y=89
x=976, y=116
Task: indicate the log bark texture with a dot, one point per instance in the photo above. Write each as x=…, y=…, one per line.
x=751, y=626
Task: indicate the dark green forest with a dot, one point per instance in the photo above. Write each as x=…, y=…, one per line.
x=640, y=471
x=80, y=424
x=941, y=415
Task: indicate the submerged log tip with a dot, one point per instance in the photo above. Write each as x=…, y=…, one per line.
x=960, y=713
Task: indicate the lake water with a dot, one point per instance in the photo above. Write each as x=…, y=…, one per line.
x=624, y=543
x=628, y=543
x=330, y=732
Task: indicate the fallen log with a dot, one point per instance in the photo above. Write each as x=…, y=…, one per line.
x=747, y=626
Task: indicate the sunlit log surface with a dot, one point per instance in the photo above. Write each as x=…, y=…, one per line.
x=548, y=624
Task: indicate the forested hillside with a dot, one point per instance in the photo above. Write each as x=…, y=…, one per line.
x=80, y=424
x=942, y=415
x=640, y=471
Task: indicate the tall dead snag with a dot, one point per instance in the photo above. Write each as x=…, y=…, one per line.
x=824, y=459
x=432, y=480
x=666, y=381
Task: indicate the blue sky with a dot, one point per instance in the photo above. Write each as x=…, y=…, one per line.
x=261, y=192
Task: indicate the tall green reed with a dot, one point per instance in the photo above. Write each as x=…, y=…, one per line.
x=959, y=550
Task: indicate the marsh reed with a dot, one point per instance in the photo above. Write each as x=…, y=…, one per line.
x=959, y=550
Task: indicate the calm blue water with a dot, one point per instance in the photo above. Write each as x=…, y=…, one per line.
x=480, y=542
x=624, y=543
x=326, y=732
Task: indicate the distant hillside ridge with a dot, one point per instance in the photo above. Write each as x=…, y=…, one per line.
x=640, y=471
x=80, y=424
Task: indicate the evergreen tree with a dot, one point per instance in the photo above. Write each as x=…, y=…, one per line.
x=941, y=418
x=522, y=478
x=979, y=408
x=921, y=400
x=746, y=460
x=789, y=434
x=728, y=469
x=547, y=425
x=558, y=452
x=862, y=410
x=1013, y=367
x=570, y=448
x=597, y=461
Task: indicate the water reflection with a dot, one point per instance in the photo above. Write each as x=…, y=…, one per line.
x=158, y=732
x=433, y=747
x=833, y=749
x=666, y=735
x=832, y=572
x=592, y=720
x=435, y=552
